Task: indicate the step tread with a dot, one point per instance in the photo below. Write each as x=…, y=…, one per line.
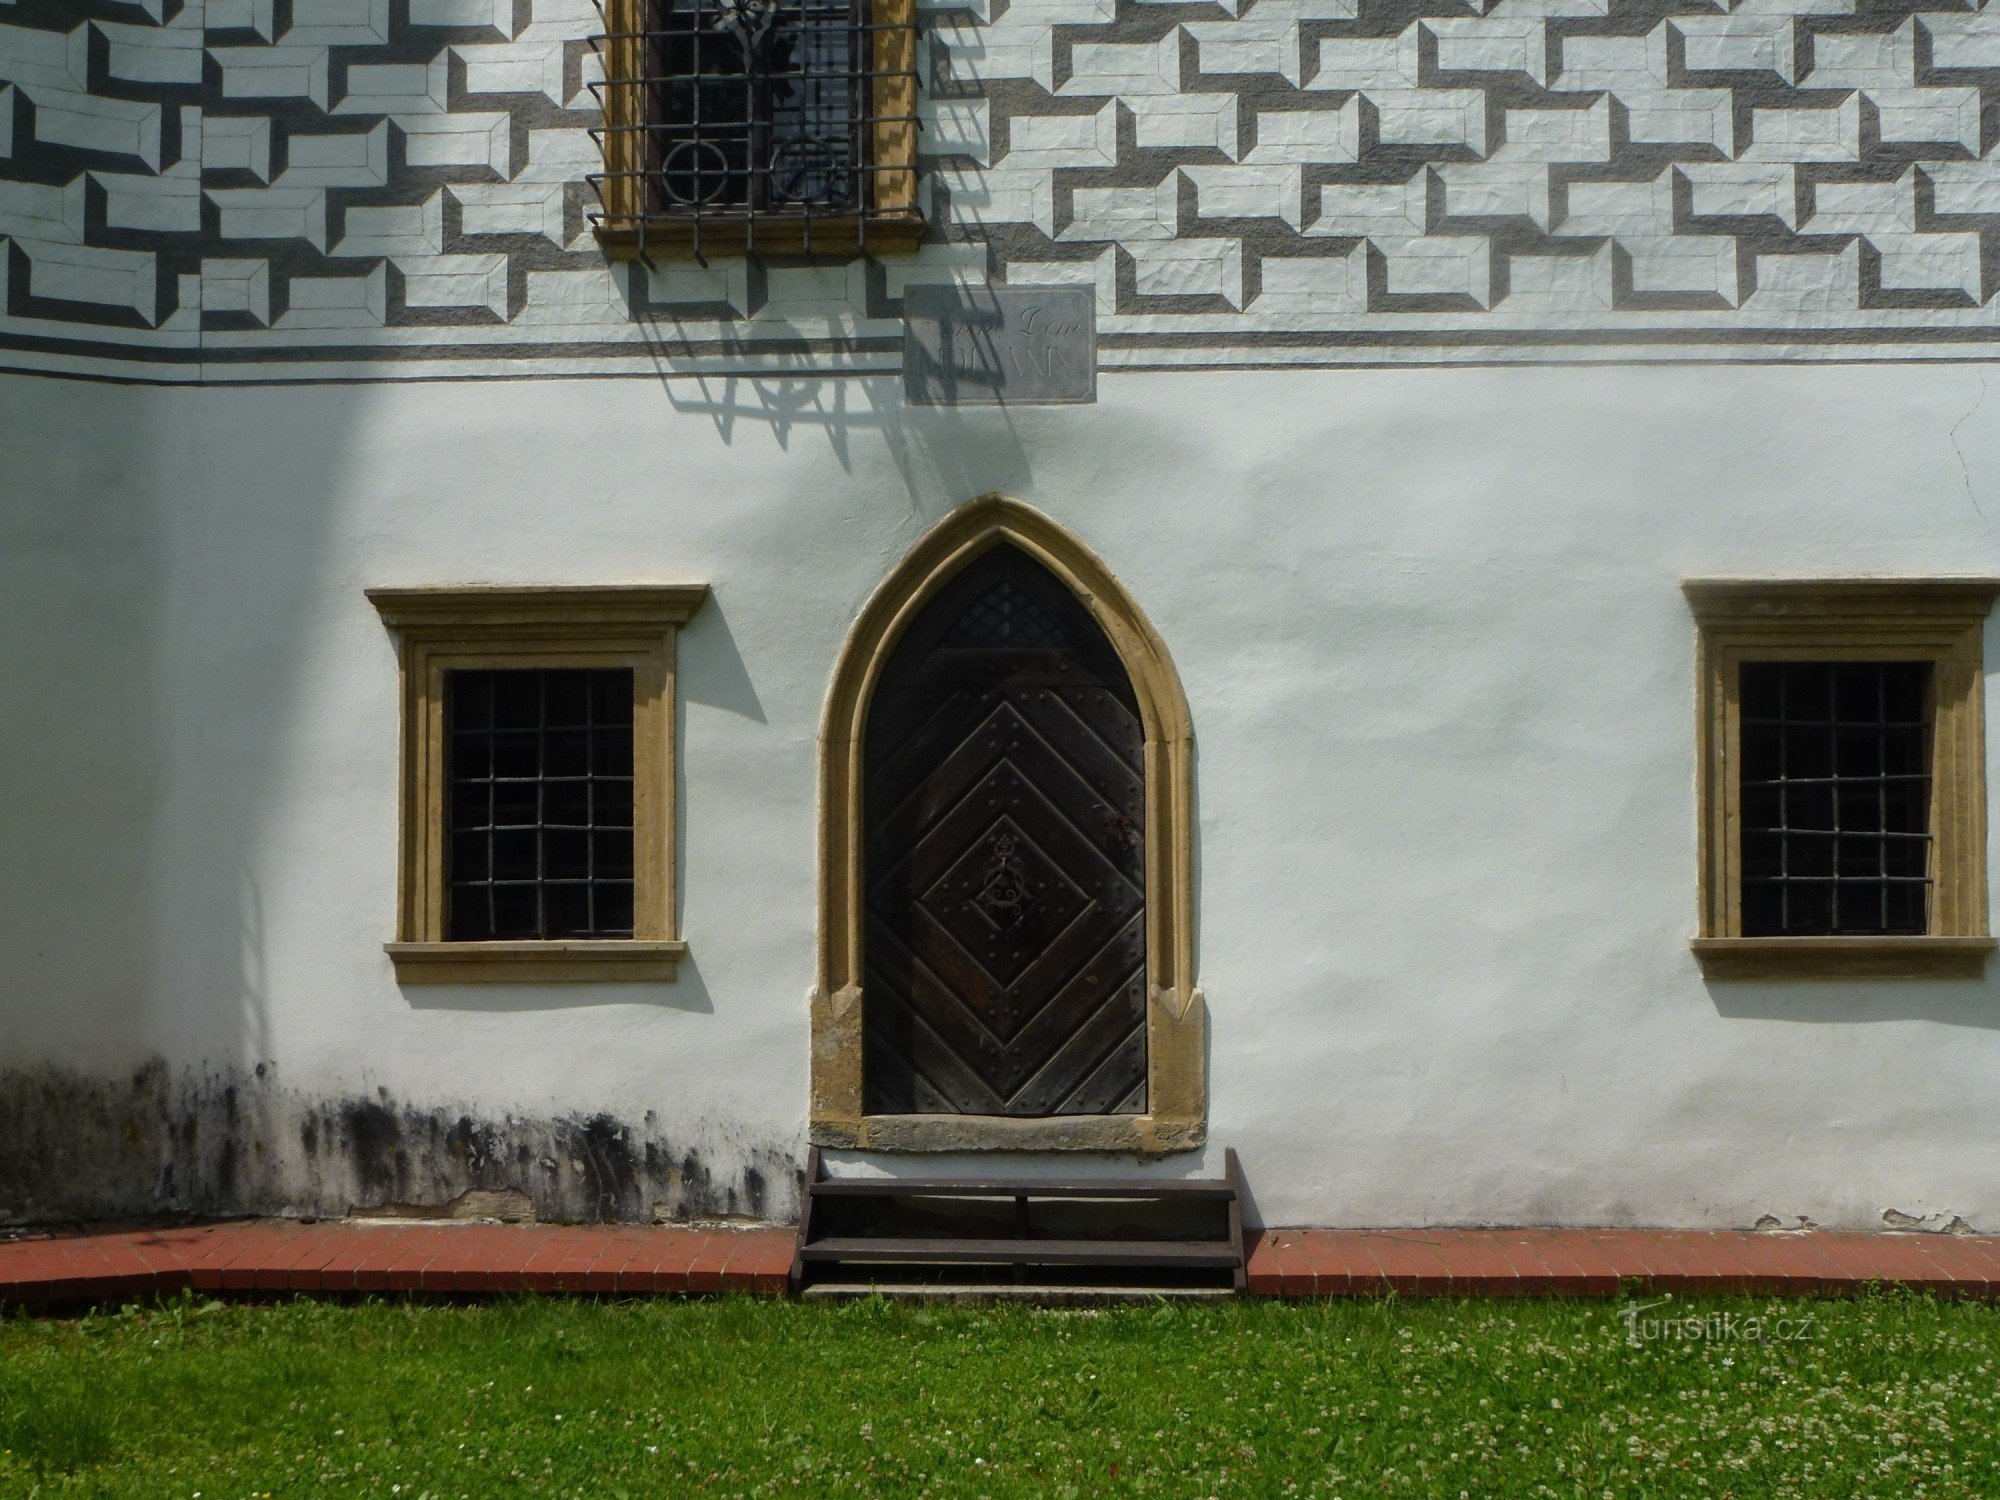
x=1001, y=1187
x=1180, y=1253
x=1052, y=1292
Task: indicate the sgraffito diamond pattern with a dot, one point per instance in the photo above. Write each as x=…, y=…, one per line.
x=1005, y=888
x=213, y=188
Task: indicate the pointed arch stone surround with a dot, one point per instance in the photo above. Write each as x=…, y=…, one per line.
x=1176, y=1017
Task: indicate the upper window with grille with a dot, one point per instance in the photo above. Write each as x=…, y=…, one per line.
x=782, y=125
x=1843, y=826
x=538, y=781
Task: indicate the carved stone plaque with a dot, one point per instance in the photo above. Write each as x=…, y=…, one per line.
x=999, y=346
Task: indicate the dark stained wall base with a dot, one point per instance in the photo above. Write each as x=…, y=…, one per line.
x=225, y=1141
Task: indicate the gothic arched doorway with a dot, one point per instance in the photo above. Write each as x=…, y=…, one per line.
x=1003, y=796
x=1006, y=887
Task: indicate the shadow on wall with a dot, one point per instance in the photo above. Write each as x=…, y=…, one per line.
x=163, y=560
x=1847, y=1002
x=167, y=563
x=164, y=568
x=688, y=992
x=944, y=455
x=164, y=580
x=709, y=666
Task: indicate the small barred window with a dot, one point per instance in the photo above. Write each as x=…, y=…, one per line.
x=538, y=769
x=1841, y=747
x=539, y=842
x=1836, y=797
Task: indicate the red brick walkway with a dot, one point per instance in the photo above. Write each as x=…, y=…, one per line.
x=281, y=1256
x=1595, y=1262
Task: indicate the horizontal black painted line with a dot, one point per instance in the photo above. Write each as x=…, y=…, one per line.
x=1471, y=335
x=289, y=370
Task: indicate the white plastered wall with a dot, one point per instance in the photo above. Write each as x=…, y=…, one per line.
x=1430, y=630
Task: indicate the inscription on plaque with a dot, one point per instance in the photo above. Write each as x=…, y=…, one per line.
x=999, y=346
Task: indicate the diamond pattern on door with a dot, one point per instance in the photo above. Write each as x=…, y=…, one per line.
x=1002, y=893
x=1004, y=858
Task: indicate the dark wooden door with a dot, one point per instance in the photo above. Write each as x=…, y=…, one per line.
x=1004, y=858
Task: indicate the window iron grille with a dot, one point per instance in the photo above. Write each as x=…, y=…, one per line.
x=752, y=115
x=539, y=822
x=1835, y=794
x=1006, y=617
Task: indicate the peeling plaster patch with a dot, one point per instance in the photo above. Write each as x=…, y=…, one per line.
x=1772, y=1224
x=1937, y=1223
x=228, y=1141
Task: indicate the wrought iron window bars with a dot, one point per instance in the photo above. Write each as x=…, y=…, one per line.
x=539, y=826
x=773, y=124
x=1835, y=795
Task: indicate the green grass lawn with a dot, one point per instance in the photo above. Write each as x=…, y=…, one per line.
x=1888, y=1395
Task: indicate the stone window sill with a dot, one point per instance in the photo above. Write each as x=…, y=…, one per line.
x=585, y=961
x=840, y=236
x=1843, y=957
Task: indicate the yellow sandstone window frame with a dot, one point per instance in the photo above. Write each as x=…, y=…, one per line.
x=442, y=629
x=1937, y=620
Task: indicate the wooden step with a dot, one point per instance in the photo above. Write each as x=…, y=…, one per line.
x=997, y=1187
x=1156, y=1237
x=1047, y=1294
x=1181, y=1254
